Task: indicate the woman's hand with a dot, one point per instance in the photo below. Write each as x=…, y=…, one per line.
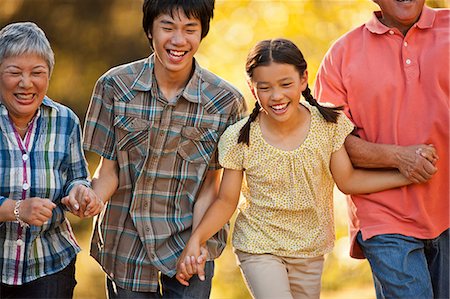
x=83, y=202
x=36, y=210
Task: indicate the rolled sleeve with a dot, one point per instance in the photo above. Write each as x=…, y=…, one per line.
x=99, y=124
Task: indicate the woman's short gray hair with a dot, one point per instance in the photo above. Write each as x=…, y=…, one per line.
x=25, y=38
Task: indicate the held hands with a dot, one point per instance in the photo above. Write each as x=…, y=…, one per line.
x=83, y=202
x=417, y=162
x=192, y=261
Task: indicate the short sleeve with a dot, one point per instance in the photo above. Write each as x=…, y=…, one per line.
x=99, y=124
x=343, y=128
x=329, y=85
x=231, y=154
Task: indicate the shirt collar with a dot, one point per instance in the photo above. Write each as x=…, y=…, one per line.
x=191, y=92
x=425, y=21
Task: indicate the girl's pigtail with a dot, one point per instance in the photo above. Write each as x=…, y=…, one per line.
x=329, y=113
x=244, y=133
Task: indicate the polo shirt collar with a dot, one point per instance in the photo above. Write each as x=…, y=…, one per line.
x=425, y=21
x=144, y=80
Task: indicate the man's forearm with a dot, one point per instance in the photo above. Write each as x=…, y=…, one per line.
x=365, y=154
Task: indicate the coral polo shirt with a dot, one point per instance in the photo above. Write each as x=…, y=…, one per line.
x=396, y=91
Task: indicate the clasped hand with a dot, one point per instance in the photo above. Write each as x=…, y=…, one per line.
x=192, y=261
x=83, y=202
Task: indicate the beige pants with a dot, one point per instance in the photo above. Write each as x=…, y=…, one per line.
x=273, y=277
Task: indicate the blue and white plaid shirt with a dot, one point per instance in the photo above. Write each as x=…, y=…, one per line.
x=55, y=163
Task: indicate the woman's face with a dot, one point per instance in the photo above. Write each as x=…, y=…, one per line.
x=24, y=81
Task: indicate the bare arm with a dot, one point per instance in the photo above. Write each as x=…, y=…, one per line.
x=215, y=218
x=106, y=179
x=208, y=193
x=356, y=181
x=417, y=165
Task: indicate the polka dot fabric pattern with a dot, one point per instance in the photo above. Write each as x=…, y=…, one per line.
x=288, y=195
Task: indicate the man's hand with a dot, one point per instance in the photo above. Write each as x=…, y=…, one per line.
x=417, y=162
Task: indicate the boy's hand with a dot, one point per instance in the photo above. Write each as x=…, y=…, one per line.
x=192, y=261
x=83, y=202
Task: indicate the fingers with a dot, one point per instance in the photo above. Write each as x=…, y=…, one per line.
x=201, y=262
x=428, y=152
x=83, y=202
x=182, y=276
x=95, y=204
x=417, y=163
x=71, y=203
x=36, y=211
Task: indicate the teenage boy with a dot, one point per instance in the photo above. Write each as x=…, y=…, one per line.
x=156, y=123
x=391, y=74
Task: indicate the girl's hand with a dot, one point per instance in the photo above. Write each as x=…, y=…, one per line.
x=192, y=261
x=36, y=210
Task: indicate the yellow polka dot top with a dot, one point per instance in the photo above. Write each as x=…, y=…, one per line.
x=288, y=195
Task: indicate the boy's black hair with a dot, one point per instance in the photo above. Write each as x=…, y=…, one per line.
x=202, y=10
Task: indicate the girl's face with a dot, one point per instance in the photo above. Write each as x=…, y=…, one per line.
x=278, y=88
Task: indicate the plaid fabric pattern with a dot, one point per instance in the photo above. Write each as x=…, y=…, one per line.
x=163, y=149
x=56, y=162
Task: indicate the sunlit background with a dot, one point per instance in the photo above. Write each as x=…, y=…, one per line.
x=90, y=36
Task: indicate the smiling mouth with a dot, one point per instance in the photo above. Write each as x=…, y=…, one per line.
x=176, y=54
x=24, y=98
x=279, y=107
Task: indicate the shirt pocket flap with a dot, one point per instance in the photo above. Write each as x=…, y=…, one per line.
x=199, y=134
x=131, y=124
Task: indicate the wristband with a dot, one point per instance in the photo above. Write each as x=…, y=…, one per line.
x=16, y=214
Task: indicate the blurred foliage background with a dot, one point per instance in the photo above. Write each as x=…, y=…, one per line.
x=90, y=36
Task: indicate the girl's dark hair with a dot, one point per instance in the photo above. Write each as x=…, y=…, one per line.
x=198, y=9
x=280, y=51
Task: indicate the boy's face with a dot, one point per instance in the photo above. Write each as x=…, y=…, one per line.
x=175, y=40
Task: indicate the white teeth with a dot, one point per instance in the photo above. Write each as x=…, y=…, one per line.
x=24, y=96
x=279, y=107
x=177, y=53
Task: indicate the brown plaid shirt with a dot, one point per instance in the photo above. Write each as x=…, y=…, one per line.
x=163, y=150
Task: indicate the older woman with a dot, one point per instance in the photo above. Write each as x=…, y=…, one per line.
x=43, y=172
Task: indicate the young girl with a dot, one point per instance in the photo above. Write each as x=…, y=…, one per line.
x=291, y=152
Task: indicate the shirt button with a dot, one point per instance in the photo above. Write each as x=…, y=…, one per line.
x=391, y=32
x=408, y=61
x=19, y=242
x=147, y=228
x=24, y=157
x=405, y=44
x=25, y=186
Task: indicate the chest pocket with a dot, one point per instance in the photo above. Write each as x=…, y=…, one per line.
x=197, y=144
x=132, y=133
